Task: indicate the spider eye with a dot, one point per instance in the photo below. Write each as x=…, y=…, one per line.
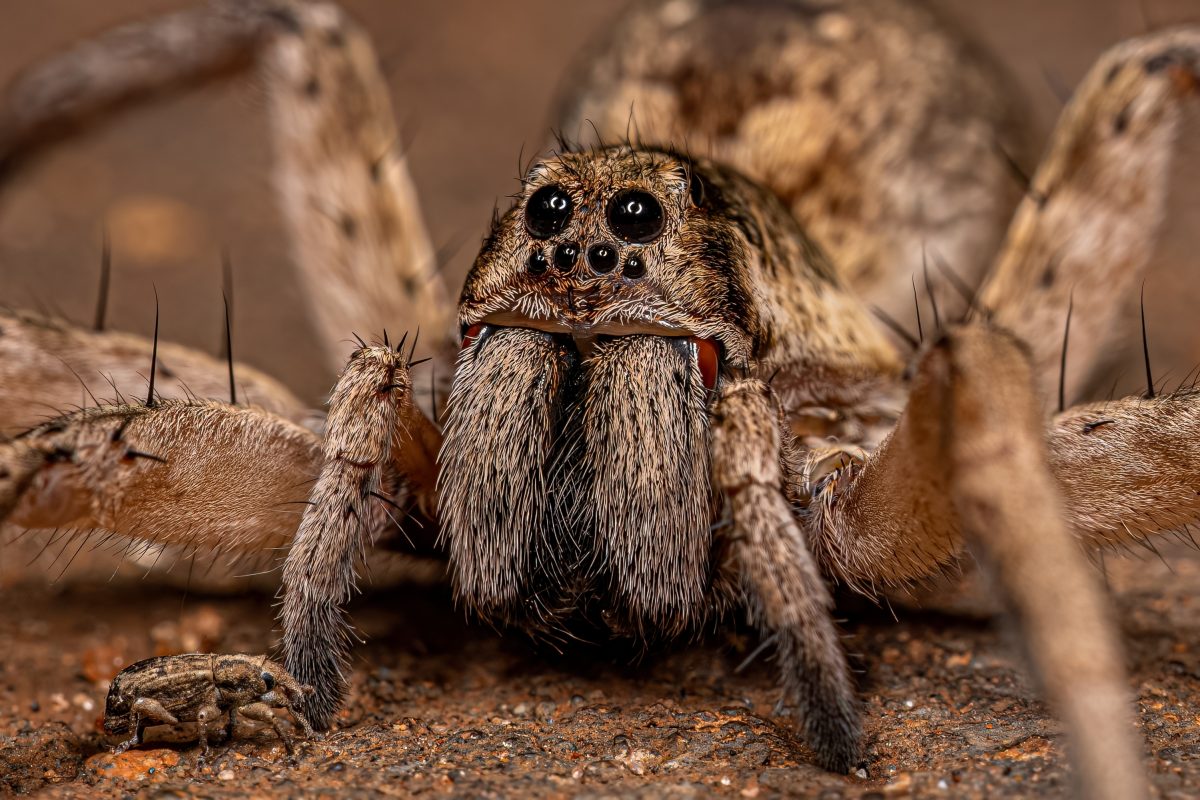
x=635, y=216
x=547, y=211
x=269, y=680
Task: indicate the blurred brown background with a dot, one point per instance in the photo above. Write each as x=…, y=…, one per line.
x=472, y=83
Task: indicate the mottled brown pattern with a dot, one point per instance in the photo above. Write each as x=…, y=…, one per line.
x=879, y=129
x=202, y=688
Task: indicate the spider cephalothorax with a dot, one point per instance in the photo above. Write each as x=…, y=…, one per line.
x=589, y=325
x=598, y=321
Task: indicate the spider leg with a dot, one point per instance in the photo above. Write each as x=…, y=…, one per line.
x=1129, y=468
x=60, y=95
x=357, y=234
x=780, y=579
x=1087, y=227
x=968, y=462
x=200, y=474
x=358, y=237
x=373, y=428
x=46, y=363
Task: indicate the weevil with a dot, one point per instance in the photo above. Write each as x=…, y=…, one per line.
x=201, y=688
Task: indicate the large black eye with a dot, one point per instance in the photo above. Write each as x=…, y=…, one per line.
x=269, y=680
x=547, y=212
x=635, y=216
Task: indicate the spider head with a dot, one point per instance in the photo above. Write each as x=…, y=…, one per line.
x=618, y=242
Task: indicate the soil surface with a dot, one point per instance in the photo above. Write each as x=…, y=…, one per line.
x=443, y=708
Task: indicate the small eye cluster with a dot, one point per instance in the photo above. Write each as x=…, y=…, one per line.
x=634, y=216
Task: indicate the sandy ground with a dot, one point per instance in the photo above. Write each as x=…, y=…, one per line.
x=440, y=707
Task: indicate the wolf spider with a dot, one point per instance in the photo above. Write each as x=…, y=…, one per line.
x=670, y=400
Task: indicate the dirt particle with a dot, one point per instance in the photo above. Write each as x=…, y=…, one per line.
x=134, y=764
x=34, y=758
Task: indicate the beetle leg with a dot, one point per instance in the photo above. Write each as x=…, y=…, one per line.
x=261, y=712
x=301, y=720
x=207, y=714
x=785, y=590
x=132, y=741
x=231, y=725
x=144, y=712
x=139, y=729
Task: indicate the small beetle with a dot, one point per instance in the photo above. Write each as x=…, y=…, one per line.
x=200, y=687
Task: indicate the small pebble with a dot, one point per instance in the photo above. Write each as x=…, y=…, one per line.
x=225, y=774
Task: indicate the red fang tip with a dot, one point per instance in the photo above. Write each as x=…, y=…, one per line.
x=707, y=360
x=471, y=335
x=1185, y=80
